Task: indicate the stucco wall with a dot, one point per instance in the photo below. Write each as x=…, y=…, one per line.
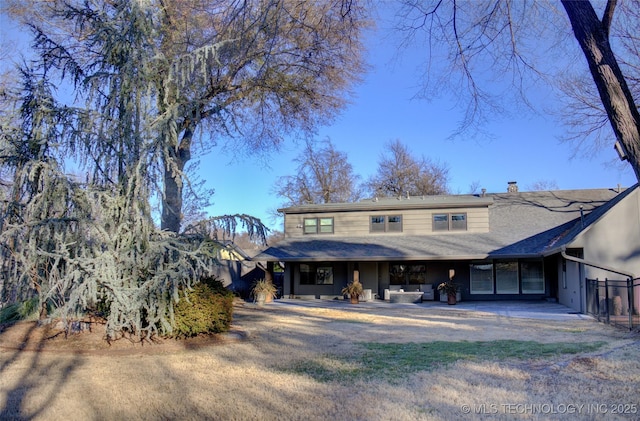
x=570, y=285
x=614, y=240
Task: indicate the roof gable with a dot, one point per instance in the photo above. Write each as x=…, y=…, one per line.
x=584, y=223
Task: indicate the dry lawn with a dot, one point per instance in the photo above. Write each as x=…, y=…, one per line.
x=284, y=362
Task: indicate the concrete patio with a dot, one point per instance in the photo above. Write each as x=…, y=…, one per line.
x=541, y=310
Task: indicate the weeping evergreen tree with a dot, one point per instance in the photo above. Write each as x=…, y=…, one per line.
x=84, y=247
x=146, y=77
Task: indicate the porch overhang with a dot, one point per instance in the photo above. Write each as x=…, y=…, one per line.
x=393, y=248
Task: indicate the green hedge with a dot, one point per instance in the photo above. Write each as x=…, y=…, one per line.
x=208, y=310
x=19, y=311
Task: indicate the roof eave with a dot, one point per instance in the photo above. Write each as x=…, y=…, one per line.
x=375, y=206
x=401, y=258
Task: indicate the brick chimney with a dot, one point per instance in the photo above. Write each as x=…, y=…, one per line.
x=512, y=187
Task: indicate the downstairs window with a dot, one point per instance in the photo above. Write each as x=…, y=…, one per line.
x=316, y=275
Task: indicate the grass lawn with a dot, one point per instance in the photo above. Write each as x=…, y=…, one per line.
x=393, y=362
x=336, y=362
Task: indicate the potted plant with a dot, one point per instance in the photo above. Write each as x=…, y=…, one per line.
x=353, y=290
x=450, y=289
x=263, y=291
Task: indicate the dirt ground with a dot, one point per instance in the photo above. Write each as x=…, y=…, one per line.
x=29, y=336
x=245, y=375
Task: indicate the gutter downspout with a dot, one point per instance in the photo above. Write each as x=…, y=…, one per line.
x=585, y=262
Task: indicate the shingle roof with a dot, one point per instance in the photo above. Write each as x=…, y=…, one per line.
x=521, y=224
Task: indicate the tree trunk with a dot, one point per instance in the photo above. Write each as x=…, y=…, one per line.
x=593, y=37
x=173, y=184
x=172, y=202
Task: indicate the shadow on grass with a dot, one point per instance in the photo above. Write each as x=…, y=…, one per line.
x=39, y=381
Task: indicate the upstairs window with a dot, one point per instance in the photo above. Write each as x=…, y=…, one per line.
x=326, y=225
x=377, y=223
x=449, y=222
x=395, y=223
x=310, y=225
x=391, y=223
x=441, y=222
x=318, y=225
x=458, y=221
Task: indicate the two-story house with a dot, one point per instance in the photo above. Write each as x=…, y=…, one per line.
x=513, y=245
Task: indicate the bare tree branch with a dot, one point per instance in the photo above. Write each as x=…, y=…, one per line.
x=467, y=41
x=399, y=173
x=323, y=175
x=607, y=17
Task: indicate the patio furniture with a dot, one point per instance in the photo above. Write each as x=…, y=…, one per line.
x=405, y=296
x=428, y=293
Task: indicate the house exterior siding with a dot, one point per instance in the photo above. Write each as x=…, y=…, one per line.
x=511, y=246
x=414, y=222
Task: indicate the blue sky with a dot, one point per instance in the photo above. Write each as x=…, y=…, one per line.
x=523, y=147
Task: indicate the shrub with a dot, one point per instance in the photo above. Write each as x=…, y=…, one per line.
x=19, y=311
x=209, y=309
x=266, y=287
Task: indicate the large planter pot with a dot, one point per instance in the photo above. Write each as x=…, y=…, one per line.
x=451, y=299
x=354, y=299
x=444, y=298
x=261, y=298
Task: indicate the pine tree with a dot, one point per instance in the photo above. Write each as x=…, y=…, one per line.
x=146, y=76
